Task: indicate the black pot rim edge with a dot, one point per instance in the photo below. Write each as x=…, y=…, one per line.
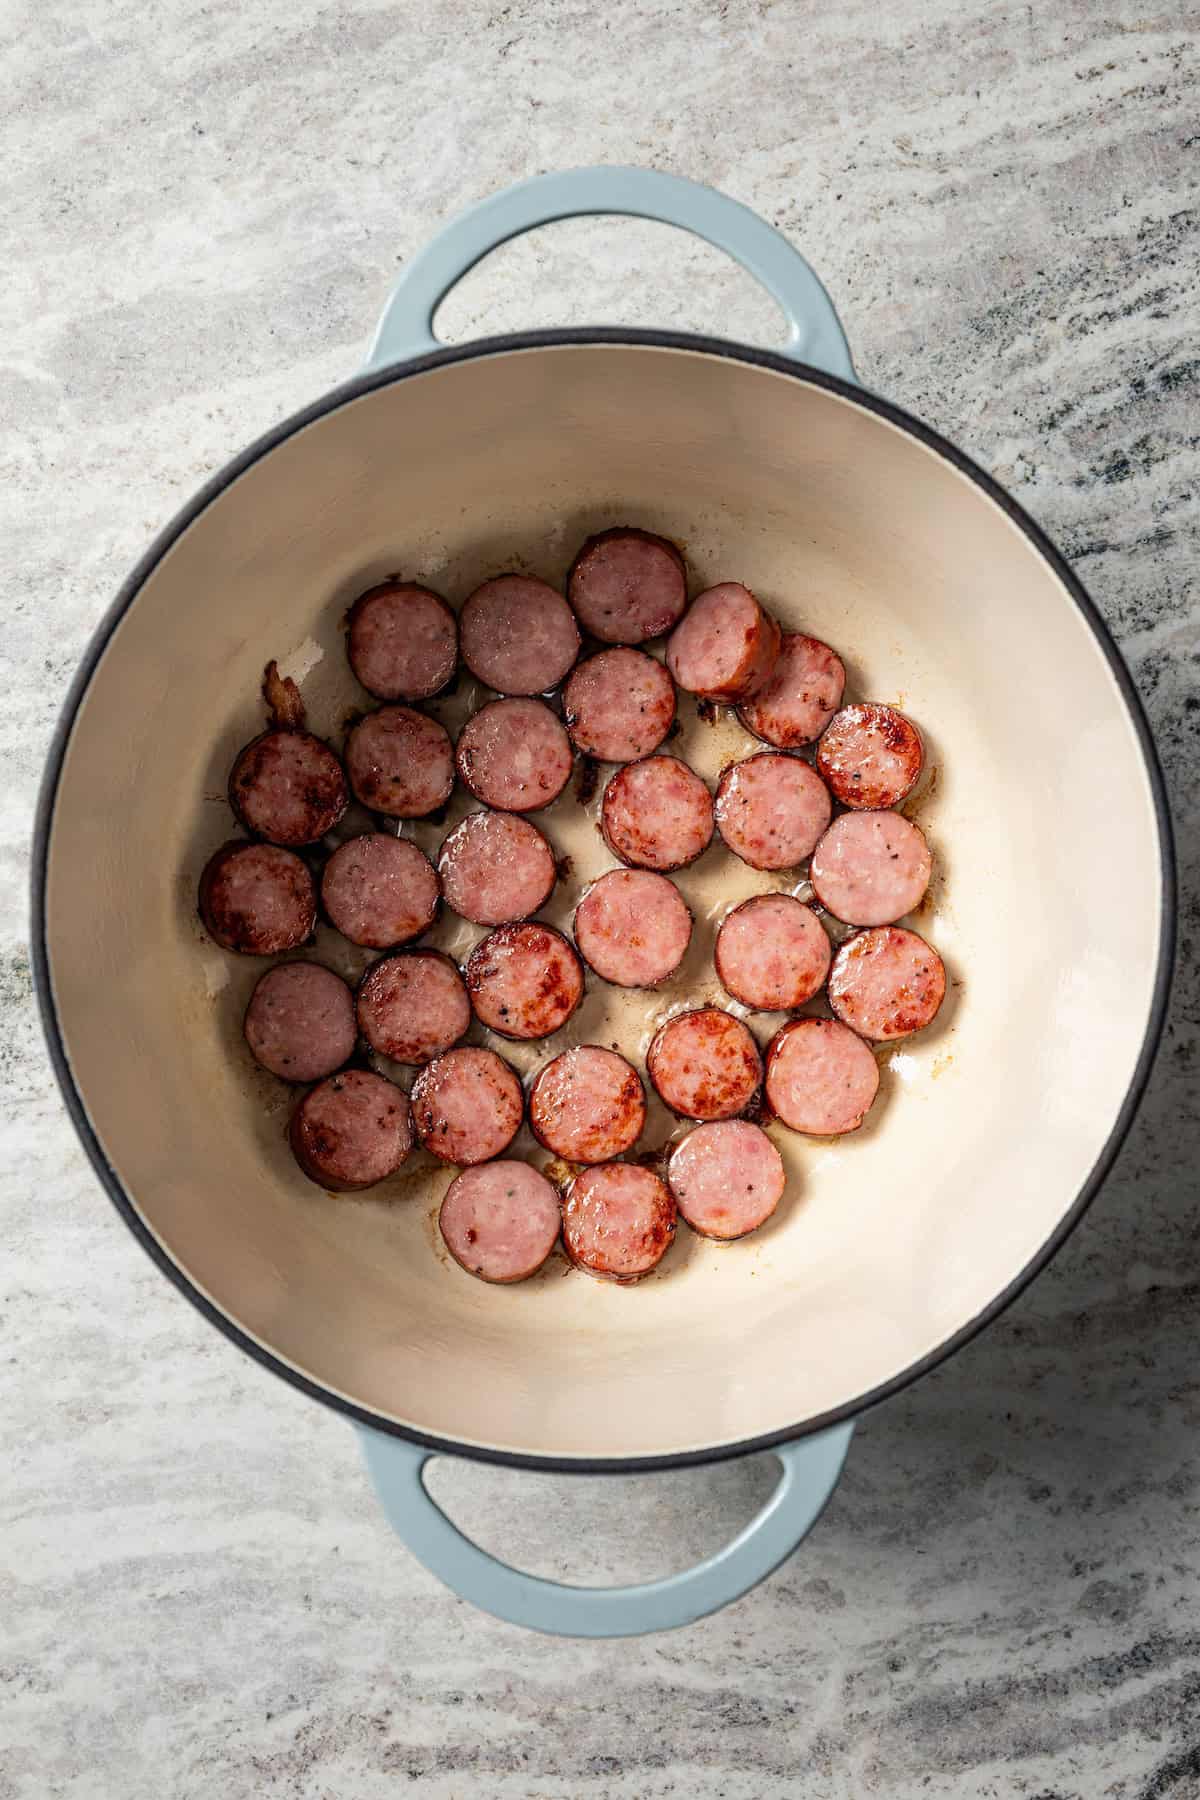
x=330, y=402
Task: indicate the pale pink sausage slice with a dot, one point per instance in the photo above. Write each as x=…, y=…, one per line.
x=799, y=697
x=300, y=1022
x=771, y=809
x=627, y=585
x=887, y=983
x=500, y=1220
x=413, y=1006
x=467, y=1106
x=525, y=981
x=633, y=927
x=619, y=705
x=657, y=814
x=400, y=762
x=727, y=1178
x=772, y=952
x=870, y=868
x=351, y=1131
x=618, y=1221
x=257, y=899
x=588, y=1105
x=518, y=635
x=515, y=755
x=870, y=755
x=821, y=1078
x=705, y=1064
x=725, y=646
x=496, y=868
x=379, y=890
x=403, y=641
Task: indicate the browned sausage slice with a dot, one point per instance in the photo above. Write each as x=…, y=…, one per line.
x=400, y=763
x=726, y=645
x=705, y=1064
x=519, y=636
x=870, y=755
x=870, y=868
x=772, y=952
x=287, y=786
x=727, y=1178
x=496, y=868
x=300, y=1022
x=627, y=585
x=588, y=1105
x=257, y=899
x=633, y=927
x=380, y=890
x=887, y=983
x=515, y=755
x=413, y=1006
x=467, y=1106
x=351, y=1131
x=500, y=1221
x=525, y=981
x=618, y=1221
x=821, y=1078
x=403, y=641
x=657, y=814
x=799, y=697
x=619, y=705
x=771, y=809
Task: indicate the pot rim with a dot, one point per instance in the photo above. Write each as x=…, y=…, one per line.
x=553, y=339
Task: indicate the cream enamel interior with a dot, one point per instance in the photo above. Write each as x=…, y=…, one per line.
x=986, y=1127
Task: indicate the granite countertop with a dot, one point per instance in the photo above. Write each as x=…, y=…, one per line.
x=202, y=211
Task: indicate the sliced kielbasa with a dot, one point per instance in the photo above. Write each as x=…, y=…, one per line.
x=588, y=1105
x=618, y=1221
x=772, y=952
x=352, y=1130
x=257, y=899
x=403, y=641
x=727, y=1178
x=518, y=635
x=525, y=981
x=633, y=927
x=627, y=585
x=514, y=755
x=300, y=1022
x=771, y=809
x=619, y=705
x=287, y=786
x=657, y=814
x=413, y=1006
x=704, y=1064
x=725, y=646
x=887, y=983
x=500, y=1220
x=870, y=868
x=870, y=755
x=467, y=1106
x=379, y=890
x=496, y=868
x=799, y=697
x=400, y=762
x=821, y=1078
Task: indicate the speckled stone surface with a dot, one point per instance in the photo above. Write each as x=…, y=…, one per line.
x=202, y=210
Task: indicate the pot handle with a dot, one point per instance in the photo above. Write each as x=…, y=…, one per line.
x=815, y=334
x=810, y=1470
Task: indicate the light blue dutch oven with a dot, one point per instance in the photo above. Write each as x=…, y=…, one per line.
x=993, y=1131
